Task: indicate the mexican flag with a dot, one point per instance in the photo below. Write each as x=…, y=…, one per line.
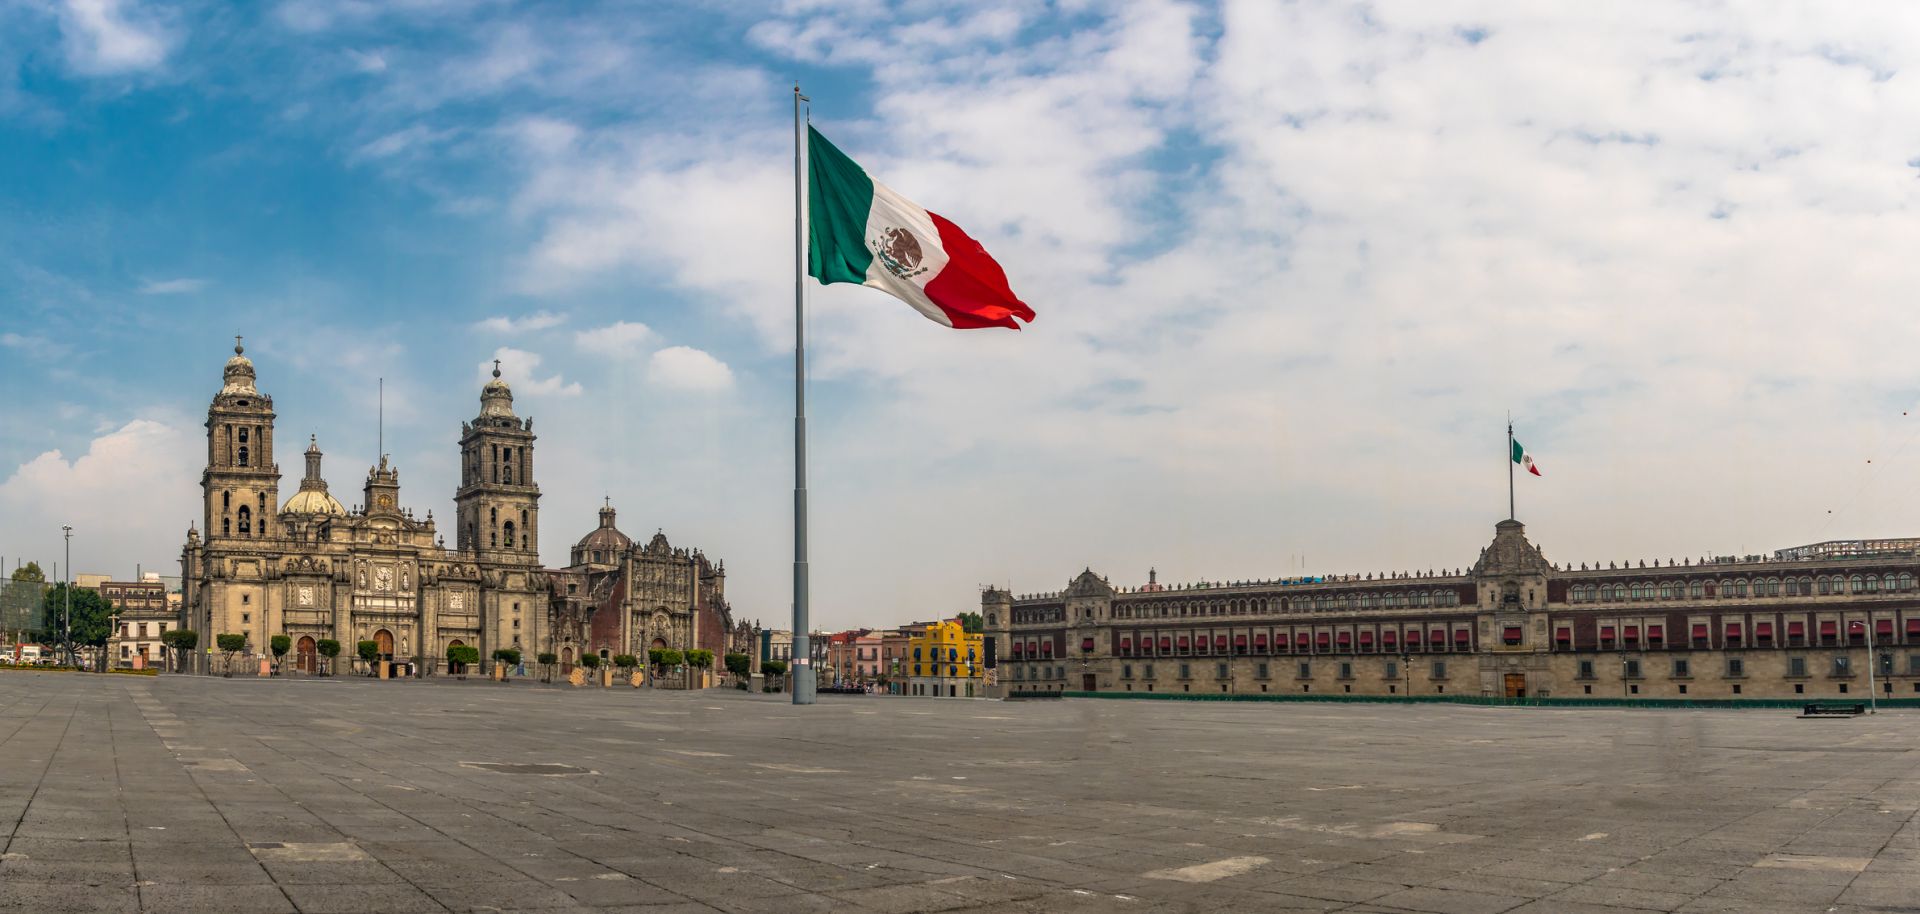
x=861, y=231
x=1521, y=457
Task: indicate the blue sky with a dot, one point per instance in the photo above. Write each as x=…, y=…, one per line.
x=1294, y=263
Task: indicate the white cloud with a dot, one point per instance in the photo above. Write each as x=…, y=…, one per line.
x=621, y=338
x=106, y=37
x=686, y=368
x=538, y=320
x=182, y=286
x=519, y=368
x=129, y=499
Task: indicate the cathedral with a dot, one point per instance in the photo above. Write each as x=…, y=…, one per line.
x=312, y=569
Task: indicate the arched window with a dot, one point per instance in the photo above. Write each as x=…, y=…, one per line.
x=1822, y=586
x=243, y=456
x=1857, y=585
x=1873, y=583
x=510, y=534
x=1906, y=582
x=226, y=526
x=246, y=520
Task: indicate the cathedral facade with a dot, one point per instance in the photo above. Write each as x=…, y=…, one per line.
x=312, y=569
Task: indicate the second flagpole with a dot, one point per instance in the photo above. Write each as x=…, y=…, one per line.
x=802, y=661
x=1510, y=462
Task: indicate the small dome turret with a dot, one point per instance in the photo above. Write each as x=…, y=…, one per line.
x=496, y=398
x=239, y=372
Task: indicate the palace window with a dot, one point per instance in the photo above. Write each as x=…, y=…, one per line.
x=1796, y=666
x=1306, y=670
x=1736, y=667
x=1439, y=670
x=1586, y=669
x=1681, y=669
x=1842, y=666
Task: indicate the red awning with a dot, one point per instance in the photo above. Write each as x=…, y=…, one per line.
x=1563, y=634
x=1220, y=640
x=1126, y=644
x=1829, y=628
x=1240, y=640
x=1655, y=633
x=1086, y=644
x=1913, y=628
x=1260, y=639
x=1046, y=647
x=1699, y=630
x=1413, y=637
x=1763, y=629
x=1606, y=633
x=1346, y=638
x=1733, y=629
x=1461, y=636
x=1166, y=644
x=1303, y=638
x=1321, y=637
x=1366, y=637
x=1883, y=627
x=1511, y=633
x=1389, y=636
x=1796, y=629
x=1633, y=633
x=1184, y=643
x=1439, y=636
x=1017, y=650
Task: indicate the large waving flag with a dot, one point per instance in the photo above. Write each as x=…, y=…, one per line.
x=861, y=231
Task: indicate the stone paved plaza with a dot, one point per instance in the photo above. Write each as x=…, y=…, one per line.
x=247, y=795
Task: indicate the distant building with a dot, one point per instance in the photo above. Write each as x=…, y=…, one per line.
x=1792, y=625
x=145, y=611
x=946, y=661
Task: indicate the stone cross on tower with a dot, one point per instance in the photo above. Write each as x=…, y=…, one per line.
x=496, y=368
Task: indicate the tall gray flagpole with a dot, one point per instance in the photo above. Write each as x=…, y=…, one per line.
x=1510, y=514
x=802, y=672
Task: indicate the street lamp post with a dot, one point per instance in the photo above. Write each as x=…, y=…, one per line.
x=66, y=591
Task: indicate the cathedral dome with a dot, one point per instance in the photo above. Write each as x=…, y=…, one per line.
x=312, y=497
x=239, y=372
x=314, y=501
x=605, y=539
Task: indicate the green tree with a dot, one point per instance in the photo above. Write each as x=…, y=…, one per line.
x=461, y=656
x=91, y=625
x=507, y=655
x=590, y=661
x=700, y=658
x=183, y=641
x=30, y=572
x=775, y=669
x=369, y=650
x=329, y=649
x=672, y=657
x=279, y=645
x=547, y=660
x=654, y=655
x=739, y=664
x=625, y=661
x=971, y=623
x=230, y=644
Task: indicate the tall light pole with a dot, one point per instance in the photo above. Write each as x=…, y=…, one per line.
x=66, y=590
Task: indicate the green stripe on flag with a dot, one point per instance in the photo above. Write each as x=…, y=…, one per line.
x=1518, y=451
x=839, y=197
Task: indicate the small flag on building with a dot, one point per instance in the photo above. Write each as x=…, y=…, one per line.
x=861, y=231
x=1521, y=457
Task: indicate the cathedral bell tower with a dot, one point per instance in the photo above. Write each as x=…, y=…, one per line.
x=241, y=482
x=498, y=503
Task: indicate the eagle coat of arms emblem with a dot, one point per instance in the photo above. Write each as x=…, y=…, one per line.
x=900, y=252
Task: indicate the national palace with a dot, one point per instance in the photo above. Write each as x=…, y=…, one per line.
x=1796, y=623
x=312, y=569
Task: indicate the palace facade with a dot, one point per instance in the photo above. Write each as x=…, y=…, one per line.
x=312, y=569
x=1794, y=624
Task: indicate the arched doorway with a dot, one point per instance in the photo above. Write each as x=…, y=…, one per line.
x=566, y=660
x=306, y=655
x=383, y=640
x=452, y=667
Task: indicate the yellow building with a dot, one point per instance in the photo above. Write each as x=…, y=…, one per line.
x=945, y=661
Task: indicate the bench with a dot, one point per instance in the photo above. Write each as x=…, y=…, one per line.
x=1818, y=709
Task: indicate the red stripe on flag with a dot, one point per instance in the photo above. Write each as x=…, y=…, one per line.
x=972, y=289
x=1533, y=469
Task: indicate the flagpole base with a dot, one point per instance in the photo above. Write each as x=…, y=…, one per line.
x=803, y=685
